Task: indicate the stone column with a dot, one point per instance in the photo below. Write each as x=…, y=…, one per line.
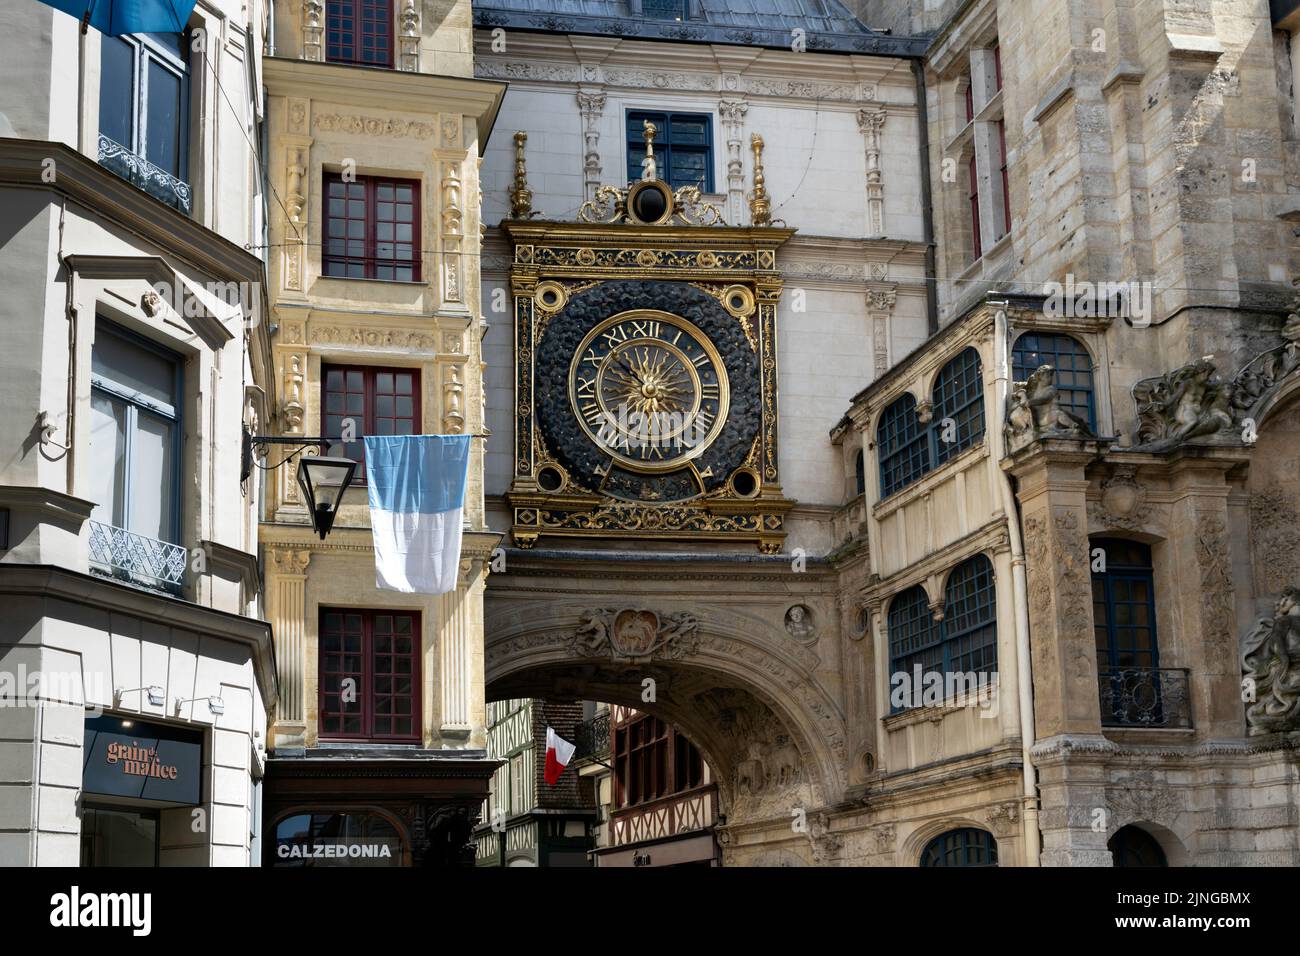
x=1071, y=752
x=287, y=609
x=591, y=104
x=455, y=676
x=880, y=306
x=732, y=114
x=872, y=123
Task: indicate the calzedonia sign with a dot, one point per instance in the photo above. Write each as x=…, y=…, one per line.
x=143, y=760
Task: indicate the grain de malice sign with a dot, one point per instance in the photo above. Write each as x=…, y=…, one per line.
x=145, y=760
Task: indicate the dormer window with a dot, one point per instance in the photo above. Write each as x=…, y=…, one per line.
x=666, y=9
x=359, y=32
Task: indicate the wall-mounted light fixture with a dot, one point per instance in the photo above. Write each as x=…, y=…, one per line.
x=322, y=478
x=215, y=704
x=154, y=692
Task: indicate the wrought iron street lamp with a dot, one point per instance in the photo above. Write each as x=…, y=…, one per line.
x=323, y=481
x=322, y=478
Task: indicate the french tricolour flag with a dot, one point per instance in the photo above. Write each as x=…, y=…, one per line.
x=417, y=503
x=558, y=754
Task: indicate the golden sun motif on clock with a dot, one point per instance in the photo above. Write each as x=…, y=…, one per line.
x=650, y=389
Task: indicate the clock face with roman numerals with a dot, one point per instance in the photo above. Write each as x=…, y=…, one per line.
x=650, y=388
x=646, y=391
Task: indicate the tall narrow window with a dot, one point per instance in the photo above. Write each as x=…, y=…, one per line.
x=970, y=100
x=378, y=401
x=860, y=473
x=958, y=402
x=144, y=93
x=369, y=674
x=372, y=228
x=1002, y=168
x=359, y=32
x=977, y=245
x=997, y=66
x=683, y=146
x=134, y=434
x=1135, y=691
x=901, y=446
x=1073, y=364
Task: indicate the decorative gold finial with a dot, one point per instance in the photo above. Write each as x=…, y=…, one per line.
x=760, y=207
x=521, y=197
x=649, y=169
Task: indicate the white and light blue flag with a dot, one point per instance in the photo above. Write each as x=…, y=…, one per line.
x=417, y=503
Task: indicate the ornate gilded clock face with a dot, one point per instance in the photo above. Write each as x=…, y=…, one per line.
x=649, y=387
x=647, y=391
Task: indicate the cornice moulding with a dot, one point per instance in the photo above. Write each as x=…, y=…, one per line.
x=424, y=93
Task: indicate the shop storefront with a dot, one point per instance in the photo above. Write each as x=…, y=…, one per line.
x=133, y=772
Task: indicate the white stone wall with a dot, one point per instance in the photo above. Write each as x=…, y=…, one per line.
x=831, y=340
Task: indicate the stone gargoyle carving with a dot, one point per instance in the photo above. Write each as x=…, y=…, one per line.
x=1189, y=402
x=1033, y=412
x=635, y=634
x=1271, y=663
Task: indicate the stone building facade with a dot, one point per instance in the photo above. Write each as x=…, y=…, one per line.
x=373, y=280
x=1053, y=266
x=137, y=671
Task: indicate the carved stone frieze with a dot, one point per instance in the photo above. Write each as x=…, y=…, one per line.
x=1123, y=501
x=360, y=125
x=636, y=634
x=1275, y=538
x=388, y=338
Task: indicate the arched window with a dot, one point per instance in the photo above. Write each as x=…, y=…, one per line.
x=900, y=446
x=1073, y=367
x=1134, y=691
x=958, y=395
x=860, y=472
x=970, y=618
x=914, y=635
x=964, y=847
x=1133, y=846
x=964, y=642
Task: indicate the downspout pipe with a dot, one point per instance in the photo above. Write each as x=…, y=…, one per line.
x=1020, y=590
x=927, y=205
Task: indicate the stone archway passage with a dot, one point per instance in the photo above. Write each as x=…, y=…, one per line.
x=751, y=698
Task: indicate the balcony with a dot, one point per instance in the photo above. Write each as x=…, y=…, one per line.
x=592, y=737
x=144, y=174
x=1145, y=697
x=136, y=559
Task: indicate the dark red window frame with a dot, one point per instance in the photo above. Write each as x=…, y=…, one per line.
x=1006, y=192
x=997, y=65
x=970, y=100
x=379, y=391
x=975, y=211
x=368, y=646
x=359, y=32
x=652, y=761
x=369, y=205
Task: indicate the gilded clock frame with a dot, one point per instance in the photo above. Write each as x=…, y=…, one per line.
x=551, y=261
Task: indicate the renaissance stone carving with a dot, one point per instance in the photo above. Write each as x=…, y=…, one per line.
x=1033, y=412
x=590, y=107
x=1271, y=663
x=1275, y=538
x=313, y=16
x=1123, y=501
x=872, y=122
x=150, y=303
x=293, y=409
x=1004, y=819
x=409, y=39
x=1189, y=402
x=1217, y=608
x=799, y=624
x=732, y=114
x=636, y=634
x=372, y=126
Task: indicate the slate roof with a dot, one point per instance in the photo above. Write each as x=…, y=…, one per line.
x=828, y=24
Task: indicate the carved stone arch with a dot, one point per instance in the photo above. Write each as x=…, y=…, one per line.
x=1274, y=497
x=736, y=685
x=914, y=844
x=931, y=377
x=1285, y=398
x=944, y=575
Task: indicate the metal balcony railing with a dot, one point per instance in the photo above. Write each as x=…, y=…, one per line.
x=137, y=170
x=1145, y=697
x=137, y=559
x=593, y=737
